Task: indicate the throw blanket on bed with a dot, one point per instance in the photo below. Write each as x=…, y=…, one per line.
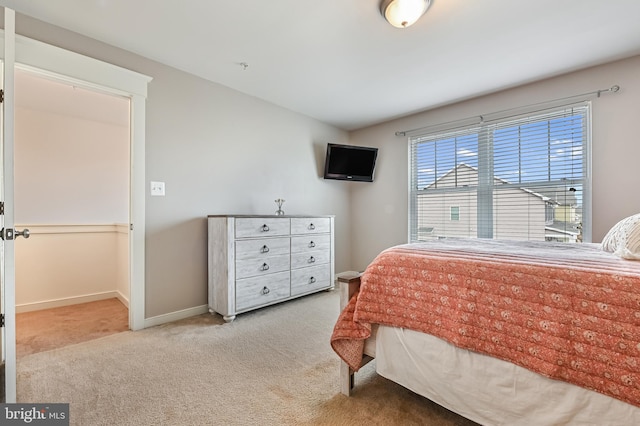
x=567, y=311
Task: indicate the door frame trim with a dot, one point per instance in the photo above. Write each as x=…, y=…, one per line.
x=83, y=71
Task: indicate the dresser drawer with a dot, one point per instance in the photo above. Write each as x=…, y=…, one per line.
x=262, y=248
x=307, y=225
x=310, y=279
x=252, y=227
x=254, y=267
x=310, y=243
x=311, y=258
x=257, y=291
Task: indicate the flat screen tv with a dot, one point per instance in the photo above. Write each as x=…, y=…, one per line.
x=350, y=162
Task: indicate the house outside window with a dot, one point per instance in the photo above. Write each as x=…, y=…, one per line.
x=454, y=213
x=523, y=178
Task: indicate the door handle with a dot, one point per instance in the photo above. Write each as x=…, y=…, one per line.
x=24, y=233
x=8, y=234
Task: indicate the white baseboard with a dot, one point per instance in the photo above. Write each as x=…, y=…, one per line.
x=121, y=297
x=57, y=303
x=175, y=316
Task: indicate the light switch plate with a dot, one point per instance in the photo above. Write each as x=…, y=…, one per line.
x=157, y=189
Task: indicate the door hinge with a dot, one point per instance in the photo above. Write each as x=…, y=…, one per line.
x=1, y=207
x=1, y=320
x=1, y=96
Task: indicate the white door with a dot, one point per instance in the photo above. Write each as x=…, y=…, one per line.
x=7, y=252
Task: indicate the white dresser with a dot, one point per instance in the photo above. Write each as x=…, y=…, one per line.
x=255, y=261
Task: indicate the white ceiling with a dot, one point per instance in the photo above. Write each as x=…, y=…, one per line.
x=340, y=62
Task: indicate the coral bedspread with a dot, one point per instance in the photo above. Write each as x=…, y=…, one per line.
x=567, y=311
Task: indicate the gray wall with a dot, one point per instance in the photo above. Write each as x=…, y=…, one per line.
x=218, y=151
x=616, y=153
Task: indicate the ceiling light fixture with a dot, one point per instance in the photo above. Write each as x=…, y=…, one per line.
x=403, y=13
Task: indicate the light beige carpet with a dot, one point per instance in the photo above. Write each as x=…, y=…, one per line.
x=269, y=367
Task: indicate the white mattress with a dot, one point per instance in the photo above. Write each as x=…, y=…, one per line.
x=488, y=390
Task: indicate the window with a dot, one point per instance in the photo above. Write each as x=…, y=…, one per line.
x=521, y=177
x=454, y=213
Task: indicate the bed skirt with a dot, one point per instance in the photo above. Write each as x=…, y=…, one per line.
x=488, y=390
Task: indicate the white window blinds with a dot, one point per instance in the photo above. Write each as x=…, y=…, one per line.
x=515, y=178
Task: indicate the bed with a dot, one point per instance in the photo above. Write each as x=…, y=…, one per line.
x=502, y=332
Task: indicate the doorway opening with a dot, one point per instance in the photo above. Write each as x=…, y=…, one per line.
x=82, y=71
x=72, y=191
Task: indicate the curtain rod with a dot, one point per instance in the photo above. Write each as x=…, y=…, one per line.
x=481, y=118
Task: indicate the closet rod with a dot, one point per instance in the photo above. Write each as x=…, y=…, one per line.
x=480, y=118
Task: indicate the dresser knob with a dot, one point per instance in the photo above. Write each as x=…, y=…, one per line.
x=312, y=259
x=265, y=228
x=312, y=244
x=311, y=227
x=264, y=249
x=264, y=267
x=312, y=280
x=265, y=290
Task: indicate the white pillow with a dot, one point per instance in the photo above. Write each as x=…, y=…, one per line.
x=624, y=238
